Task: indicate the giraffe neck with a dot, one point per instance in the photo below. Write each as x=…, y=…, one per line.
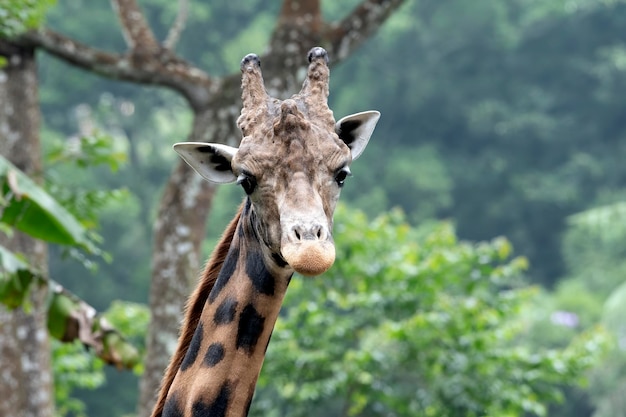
x=218, y=372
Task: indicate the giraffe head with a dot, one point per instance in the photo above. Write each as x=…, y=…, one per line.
x=292, y=162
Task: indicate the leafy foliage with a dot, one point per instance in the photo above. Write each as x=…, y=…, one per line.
x=77, y=368
x=73, y=158
x=74, y=367
x=519, y=101
x=413, y=322
x=28, y=208
x=594, y=291
x=594, y=249
x=131, y=320
x=88, y=151
x=17, y=16
x=16, y=278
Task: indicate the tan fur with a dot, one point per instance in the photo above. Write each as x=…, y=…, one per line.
x=310, y=258
x=193, y=310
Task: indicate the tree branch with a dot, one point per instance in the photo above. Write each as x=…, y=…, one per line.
x=179, y=24
x=300, y=26
x=137, y=33
x=161, y=68
x=301, y=13
x=345, y=36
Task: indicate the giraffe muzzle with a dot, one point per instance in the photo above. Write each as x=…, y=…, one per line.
x=309, y=249
x=309, y=257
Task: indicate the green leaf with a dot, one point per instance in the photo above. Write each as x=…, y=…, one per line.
x=30, y=209
x=9, y=262
x=16, y=278
x=60, y=308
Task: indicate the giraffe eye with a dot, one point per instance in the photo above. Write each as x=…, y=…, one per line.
x=341, y=175
x=247, y=182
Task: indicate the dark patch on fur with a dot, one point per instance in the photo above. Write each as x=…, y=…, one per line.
x=249, y=404
x=280, y=261
x=268, y=342
x=214, y=354
x=250, y=329
x=346, y=131
x=171, y=408
x=262, y=280
x=218, y=160
x=225, y=313
x=194, y=347
x=245, y=215
x=251, y=226
x=217, y=408
x=246, y=207
x=318, y=52
x=250, y=58
x=230, y=263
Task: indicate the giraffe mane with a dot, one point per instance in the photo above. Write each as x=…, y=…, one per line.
x=193, y=309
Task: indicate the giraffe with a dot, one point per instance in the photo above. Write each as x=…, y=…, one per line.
x=291, y=163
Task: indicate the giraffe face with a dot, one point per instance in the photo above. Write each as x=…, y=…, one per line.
x=292, y=164
x=293, y=179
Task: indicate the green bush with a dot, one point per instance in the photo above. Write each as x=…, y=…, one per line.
x=413, y=322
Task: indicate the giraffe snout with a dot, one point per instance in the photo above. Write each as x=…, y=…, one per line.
x=308, y=248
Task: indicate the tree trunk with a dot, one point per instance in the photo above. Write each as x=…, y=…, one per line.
x=178, y=236
x=25, y=371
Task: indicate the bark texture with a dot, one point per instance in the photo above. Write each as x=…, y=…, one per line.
x=25, y=372
x=215, y=101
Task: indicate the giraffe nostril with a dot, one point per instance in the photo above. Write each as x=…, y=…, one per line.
x=309, y=232
x=318, y=232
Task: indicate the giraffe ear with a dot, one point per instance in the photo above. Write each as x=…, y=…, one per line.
x=210, y=160
x=355, y=130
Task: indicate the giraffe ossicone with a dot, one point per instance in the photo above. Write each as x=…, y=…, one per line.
x=291, y=163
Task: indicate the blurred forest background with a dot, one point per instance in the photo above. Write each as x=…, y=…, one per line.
x=503, y=131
